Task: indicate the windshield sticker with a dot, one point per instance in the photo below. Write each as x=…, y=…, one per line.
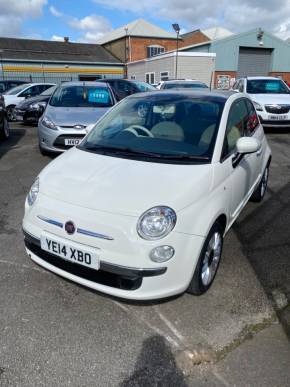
x=164, y=109
x=272, y=86
x=98, y=96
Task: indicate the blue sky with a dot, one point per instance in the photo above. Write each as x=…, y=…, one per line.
x=88, y=20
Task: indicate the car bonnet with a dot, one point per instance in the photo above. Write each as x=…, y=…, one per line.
x=120, y=185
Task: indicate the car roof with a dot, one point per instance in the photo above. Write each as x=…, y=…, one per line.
x=181, y=80
x=83, y=83
x=253, y=78
x=214, y=95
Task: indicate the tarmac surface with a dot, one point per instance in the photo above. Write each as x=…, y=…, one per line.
x=54, y=332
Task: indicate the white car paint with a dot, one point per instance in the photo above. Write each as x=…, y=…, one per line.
x=268, y=99
x=109, y=194
x=14, y=99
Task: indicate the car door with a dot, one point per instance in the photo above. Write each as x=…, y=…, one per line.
x=255, y=129
x=240, y=168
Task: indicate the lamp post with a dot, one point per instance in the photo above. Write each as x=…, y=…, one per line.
x=177, y=30
x=1, y=58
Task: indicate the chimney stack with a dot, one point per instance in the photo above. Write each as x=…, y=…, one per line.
x=66, y=39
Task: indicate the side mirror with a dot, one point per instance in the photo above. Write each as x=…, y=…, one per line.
x=247, y=145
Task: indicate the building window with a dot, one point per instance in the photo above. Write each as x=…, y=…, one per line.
x=133, y=77
x=164, y=76
x=154, y=50
x=150, y=78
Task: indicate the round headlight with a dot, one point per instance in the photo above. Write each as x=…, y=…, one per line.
x=156, y=223
x=32, y=195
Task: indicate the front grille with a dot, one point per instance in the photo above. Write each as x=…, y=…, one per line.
x=277, y=109
x=59, y=141
x=99, y=276
x=285, y=123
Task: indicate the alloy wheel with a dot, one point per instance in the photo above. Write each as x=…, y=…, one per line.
x=211, y=259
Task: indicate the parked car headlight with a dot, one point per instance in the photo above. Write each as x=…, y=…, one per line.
x=156, y=223
x=38, y=105
x=258, y=106
x=32, y=195
x=48, y=123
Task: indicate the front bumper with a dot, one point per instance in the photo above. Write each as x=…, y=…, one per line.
x=270, y=120
x=31, y=116
x=54, y=140
x=126, y=270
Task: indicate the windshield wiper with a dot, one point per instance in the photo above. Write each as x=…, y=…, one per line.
x=122, y=150
x=185, y=157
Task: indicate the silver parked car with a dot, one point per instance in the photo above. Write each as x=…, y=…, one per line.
x=71, y=110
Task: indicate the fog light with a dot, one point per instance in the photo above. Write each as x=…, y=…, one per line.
x=161, y=253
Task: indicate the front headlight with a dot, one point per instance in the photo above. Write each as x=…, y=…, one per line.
x=258, y=106
x=156, y=223
x=48, y=123
x=32, y=195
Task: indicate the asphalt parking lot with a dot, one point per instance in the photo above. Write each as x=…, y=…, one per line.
x=54, y=332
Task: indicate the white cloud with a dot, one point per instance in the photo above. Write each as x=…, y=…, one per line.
x=93, y=27
x=236, y=15
x=14, y=12
x=57, y=38
x=55, y=12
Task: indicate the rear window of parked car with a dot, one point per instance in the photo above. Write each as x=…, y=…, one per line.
x=185, y=85
x=81, y=96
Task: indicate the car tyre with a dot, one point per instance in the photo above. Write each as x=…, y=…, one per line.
x=208, y=262
x=5, y=130
x=10, y=113
x=260, y=192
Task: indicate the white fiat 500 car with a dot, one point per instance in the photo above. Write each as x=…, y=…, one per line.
x=139, y=209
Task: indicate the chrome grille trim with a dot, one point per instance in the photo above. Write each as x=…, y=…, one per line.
x=79, y=230
x=50, y=221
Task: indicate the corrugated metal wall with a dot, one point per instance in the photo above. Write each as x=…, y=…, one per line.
x=191, y=67
x=254, y=62
x=56, y=73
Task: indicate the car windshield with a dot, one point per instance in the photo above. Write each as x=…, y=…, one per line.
x=81, y=96
x=185, y=85
x=267, y=86
x=17, y=89
x=143, y=86
x=165, y=128
x=49, y=91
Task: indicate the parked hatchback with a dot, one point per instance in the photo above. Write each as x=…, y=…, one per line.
x=20, y=93
x=183, y=84
x=8, y=84
x=271, y=97
x=73, y=107
x=140, y=208
x=31, y=109
x=124, y=87
x=4, y=125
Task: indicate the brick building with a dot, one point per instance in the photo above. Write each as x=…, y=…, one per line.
x=138, y=40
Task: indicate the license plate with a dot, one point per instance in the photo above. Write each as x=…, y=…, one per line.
x=72, y=141
x=70, y=251
x=278, y=117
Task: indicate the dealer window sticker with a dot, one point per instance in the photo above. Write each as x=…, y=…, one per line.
x=98, y=96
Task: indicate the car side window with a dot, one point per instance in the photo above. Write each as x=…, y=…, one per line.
x=253, y=120
x=31, y=91
x=236, y=126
